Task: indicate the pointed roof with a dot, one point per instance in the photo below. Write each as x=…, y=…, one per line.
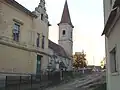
x=66, y=15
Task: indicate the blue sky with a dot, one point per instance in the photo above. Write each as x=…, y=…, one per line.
x=86, y=16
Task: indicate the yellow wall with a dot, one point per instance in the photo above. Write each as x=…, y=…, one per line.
x=22, y=61
x=17, y=60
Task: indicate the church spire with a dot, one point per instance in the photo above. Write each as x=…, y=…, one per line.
x=66, y=15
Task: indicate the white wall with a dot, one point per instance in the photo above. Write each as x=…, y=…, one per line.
x=66, y=61
x=65, y=40
x=114, y=40
x=107, y=9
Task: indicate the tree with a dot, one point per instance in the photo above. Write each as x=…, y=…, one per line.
x=79, y=60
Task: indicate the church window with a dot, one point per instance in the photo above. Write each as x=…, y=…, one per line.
x=63, y=32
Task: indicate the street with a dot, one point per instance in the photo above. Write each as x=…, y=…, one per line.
x=81, y=83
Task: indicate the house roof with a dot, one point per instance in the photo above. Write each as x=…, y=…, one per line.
x=57, y=49
x=66, y=15
x=110, y=20
x=20, y=7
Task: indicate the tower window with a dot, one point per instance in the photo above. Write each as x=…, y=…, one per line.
x=63, y=32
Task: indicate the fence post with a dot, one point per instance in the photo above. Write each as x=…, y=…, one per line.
x=31, y=81
x=6, y=83
x=19, y=82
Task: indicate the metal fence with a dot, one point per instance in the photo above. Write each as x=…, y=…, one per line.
x=32, y=82
x=36, y=82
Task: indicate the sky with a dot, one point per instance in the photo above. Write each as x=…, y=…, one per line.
x=87, y=18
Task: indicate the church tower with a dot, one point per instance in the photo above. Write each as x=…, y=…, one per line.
x=66, y=31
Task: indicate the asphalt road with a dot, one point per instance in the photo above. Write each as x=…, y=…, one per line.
x=80, y=83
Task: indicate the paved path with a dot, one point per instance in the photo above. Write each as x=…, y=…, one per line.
x=76, y=84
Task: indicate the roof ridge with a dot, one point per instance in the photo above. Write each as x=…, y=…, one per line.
x=56, y=43
x=58, y=49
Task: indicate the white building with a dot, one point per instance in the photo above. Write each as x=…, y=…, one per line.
x=61, y=54
x=112, y=41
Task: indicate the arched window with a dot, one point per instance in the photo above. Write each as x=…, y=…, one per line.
x=63, y=32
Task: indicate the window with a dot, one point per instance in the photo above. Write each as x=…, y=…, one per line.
x=110, y=2
x=113, y=62
x=63, y=32
x=41, y=16
x=16, y=30
x=38, y=40
x=71, y=34
x=43, y=37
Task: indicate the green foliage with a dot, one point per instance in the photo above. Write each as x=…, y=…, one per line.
x=79, y=60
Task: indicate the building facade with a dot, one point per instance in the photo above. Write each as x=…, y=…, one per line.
x=112, y=44
x=23, y=38
x=25, y=48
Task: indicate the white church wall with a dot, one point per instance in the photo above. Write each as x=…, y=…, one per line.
x=54, y=61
